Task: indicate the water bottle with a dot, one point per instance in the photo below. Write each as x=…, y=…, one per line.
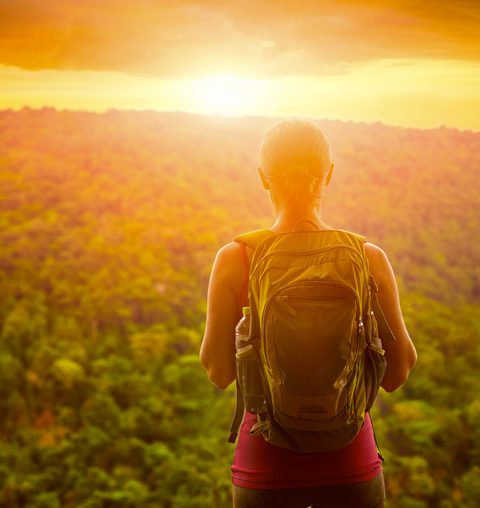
x=242, y=330
x=248, y=368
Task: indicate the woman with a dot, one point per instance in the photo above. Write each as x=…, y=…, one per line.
x=295, y=167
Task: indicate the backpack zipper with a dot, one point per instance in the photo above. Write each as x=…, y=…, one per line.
x=283, y=300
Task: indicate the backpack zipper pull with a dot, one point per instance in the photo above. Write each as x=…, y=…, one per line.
x=361, y=326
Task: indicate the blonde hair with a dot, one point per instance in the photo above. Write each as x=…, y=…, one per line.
x=295, y=158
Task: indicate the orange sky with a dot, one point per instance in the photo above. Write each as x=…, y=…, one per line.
x=400, y=62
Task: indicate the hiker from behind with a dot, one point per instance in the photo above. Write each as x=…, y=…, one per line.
x=322, y=330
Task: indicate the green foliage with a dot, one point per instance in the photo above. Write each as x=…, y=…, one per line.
x=108, y=228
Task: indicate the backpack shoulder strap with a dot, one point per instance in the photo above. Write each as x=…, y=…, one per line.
x=359, y=237
x=352, y=238
x=253, y=238
x=384, y=330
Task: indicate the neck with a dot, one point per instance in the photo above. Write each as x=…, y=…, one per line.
x=287, y=219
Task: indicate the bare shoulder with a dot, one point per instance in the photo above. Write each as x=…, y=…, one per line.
x=228, y=255
x=228, y=264
x=373, y=251
x=229, y=248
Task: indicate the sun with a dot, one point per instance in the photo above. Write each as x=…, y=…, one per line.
x=224, y=94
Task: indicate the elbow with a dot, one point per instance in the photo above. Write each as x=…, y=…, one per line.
x=391, y=382
x=394, y=380
x=397, y=374
x=219, y=382
x=217, y=377
x=413, y=357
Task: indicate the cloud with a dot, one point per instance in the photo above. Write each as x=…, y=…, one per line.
x=184, y=39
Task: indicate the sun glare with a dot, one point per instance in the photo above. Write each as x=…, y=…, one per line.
x=225, y=95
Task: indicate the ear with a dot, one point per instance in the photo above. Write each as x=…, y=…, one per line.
x=329, y=175
x=263, y=178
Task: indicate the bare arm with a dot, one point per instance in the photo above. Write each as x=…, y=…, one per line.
x=401, y=354
x=217, y=352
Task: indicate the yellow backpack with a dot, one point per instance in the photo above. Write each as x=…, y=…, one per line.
x=315, y=337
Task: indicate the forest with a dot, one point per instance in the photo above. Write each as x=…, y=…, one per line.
x=109, y=225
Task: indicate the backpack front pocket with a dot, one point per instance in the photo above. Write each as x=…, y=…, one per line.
x=311, y=344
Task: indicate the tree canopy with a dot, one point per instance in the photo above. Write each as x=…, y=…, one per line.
x=109, y=224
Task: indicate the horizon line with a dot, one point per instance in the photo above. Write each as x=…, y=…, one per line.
x=372, y=123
